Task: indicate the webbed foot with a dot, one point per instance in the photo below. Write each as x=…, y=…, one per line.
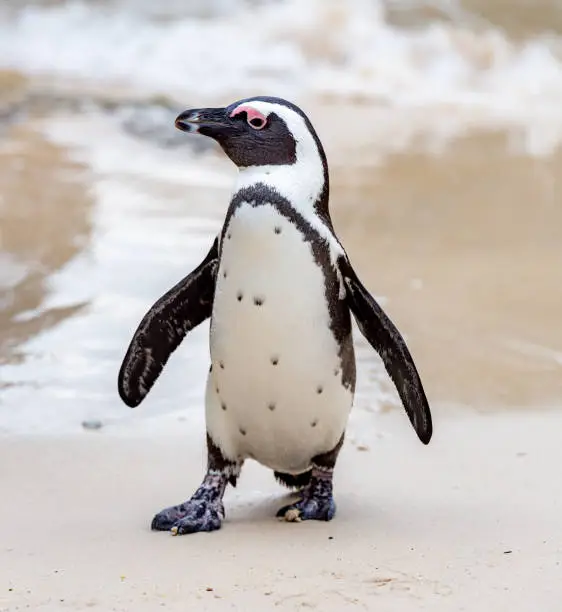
x=308, y=510
x=317, y=502
x=190, y=517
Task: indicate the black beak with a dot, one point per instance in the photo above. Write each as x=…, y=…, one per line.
x=207, y=121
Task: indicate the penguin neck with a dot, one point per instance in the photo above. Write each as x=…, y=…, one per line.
x=304, y=184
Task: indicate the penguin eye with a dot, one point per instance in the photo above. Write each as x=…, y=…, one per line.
x=257, y=123
x=253, y=117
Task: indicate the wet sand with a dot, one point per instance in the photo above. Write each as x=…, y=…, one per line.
x=467, y=246
x=45, y=210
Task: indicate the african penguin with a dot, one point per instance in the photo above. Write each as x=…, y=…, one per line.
x=279, y=289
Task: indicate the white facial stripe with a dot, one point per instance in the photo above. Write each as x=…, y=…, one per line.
x=300, y=183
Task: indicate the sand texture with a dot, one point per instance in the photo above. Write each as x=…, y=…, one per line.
x=471, y=522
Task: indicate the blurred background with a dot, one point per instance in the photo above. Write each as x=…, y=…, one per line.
x=442, y=123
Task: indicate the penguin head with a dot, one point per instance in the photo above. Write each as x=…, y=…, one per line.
x=259, y=131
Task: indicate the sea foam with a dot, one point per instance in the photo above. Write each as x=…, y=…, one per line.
x=342, y=51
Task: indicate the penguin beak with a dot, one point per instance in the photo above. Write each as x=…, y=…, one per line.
x=206, y=121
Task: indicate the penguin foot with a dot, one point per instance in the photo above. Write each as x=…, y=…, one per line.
x=203, y=512
x=308, y=510
x=317, y=502
x=192, y=516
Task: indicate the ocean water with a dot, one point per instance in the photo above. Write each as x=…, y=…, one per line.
x=102, y=83
x=450, y=62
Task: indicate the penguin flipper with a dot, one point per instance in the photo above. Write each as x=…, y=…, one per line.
x=384, y=337
x=164, y=326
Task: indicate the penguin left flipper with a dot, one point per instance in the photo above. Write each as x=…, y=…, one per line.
x=382, y=335
x=164, y=326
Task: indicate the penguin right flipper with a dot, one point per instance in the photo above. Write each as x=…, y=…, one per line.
x=384, y=337
x=164, y=326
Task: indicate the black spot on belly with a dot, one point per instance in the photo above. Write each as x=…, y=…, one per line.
x=224, y=274
x=277, y=230
x=242, y=431
x=337, y=372
x=314, y=423
x=229, y=235
x=221, y=363
x=258, y=301
x=223, y=406
x=239, y=296
x=274, y=360
x=271, y=406
x=340, y=316
x=319, y=389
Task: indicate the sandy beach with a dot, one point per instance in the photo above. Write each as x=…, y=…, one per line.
x=442, y=129
x=471, y=522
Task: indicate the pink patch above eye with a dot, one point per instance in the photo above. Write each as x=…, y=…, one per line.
x=251, y=113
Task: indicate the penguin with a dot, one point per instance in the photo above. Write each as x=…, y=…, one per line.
x=280, y=291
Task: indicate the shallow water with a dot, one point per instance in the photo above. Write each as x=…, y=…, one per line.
x=446, y=197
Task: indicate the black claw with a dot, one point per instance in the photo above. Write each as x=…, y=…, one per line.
x=282, y=511
x=168, y=517
x=163, y=522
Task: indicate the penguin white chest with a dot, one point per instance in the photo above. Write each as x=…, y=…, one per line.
x=275, y=390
